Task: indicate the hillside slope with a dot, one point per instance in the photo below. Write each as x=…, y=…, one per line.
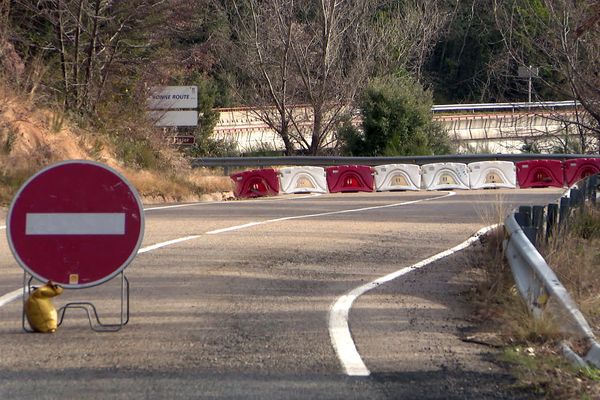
x=32, y=138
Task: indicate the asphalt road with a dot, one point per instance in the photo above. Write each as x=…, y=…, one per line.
x=239, y=307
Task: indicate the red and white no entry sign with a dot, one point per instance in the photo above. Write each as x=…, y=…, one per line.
x=76, y=223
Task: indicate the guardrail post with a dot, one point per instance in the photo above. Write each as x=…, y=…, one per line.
x=537, y=222
x=551, y=219
x=576, y=198
x=586, y=188
x=593, y=188
x=527, y=211
x=565, y=209
x=523, y=218
x=226, y=170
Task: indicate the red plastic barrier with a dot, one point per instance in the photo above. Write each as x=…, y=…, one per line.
x=350, y=178
x=256, y=183
x=579, y=168
x=540, y=173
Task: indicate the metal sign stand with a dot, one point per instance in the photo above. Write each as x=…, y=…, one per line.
x=88, y=307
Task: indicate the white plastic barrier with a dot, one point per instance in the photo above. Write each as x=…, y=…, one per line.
x=445, y=176
x=397, y=177
x=492, y=174
x=302, y=180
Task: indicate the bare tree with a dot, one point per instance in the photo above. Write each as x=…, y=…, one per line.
x=290, y=53
x=333, y=50
x=89, y=36
x=411, y=29
x=562, y=37
x=264, y=29
x=9, y=59
x=321, y=54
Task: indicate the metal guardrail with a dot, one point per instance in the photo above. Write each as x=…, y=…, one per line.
x=321, y=161
x=535, y=280
x=534, y=105
x=522, y=106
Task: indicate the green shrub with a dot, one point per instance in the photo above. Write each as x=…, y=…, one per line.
x=396, y=120
x=138, y=154
x=586, y=225
x=9, y=143
x=10, y=182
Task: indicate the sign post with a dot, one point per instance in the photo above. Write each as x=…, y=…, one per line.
x=76, y=223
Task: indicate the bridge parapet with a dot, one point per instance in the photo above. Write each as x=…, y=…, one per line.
x=496, y=128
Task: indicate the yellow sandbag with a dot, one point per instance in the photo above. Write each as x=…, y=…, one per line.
x=39, y=309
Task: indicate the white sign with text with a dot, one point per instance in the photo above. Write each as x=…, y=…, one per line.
x=173, y=97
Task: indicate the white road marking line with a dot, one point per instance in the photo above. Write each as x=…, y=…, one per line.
x=14, y=295
x=274, y=199
x=2, y=226
x=7, y=298
x=269, y=221
x=75, y=224
x=167, y=243
x=339, y=330
x=233, y=228
x=176, y=206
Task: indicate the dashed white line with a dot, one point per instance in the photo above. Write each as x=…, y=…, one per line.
x=7, y=298
x=339, y=330
x=269, y=221
x=167, y=243
x=12, y=296
x=176, y=206
x=237, y=227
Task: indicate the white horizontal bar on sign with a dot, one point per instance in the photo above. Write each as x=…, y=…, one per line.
x=75, y=224
x=174, y=118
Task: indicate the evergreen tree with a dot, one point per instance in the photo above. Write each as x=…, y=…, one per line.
x=396, y=120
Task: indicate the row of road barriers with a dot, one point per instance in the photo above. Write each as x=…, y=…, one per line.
x=401, y=177
x=537, y=284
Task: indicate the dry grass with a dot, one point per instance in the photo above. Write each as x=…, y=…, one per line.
x=32, y=138
x=10, y=183
x=530, y=345
x=544, y=372
x=497, y=212
x=209, y=181
x=187, y=186
x=577, y=265
x=499, y=305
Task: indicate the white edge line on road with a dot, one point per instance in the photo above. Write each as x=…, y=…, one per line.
x=15, y=294
x=339, y=330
